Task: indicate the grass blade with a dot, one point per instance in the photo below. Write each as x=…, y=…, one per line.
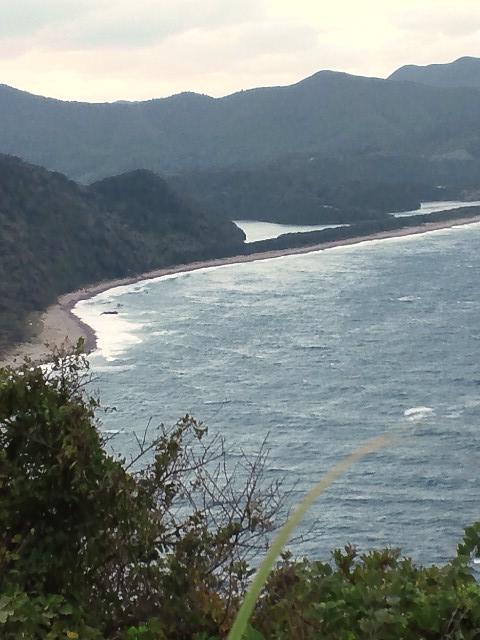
x=243, y=616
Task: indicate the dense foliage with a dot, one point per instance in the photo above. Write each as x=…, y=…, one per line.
x=97, y=547
x=56, y=236
x=320, y=188
x=376, y=595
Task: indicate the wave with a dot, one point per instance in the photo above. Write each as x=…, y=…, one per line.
x=114, y=368
x=115, y=339
x=418, y=413
x=114, y=333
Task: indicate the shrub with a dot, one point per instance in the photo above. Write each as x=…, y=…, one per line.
x=165, y=536
x=376, y=595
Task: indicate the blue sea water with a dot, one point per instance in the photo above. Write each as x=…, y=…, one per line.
x=320, y=352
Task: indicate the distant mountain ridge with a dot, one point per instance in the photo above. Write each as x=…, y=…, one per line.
x=328, y=114
x=464, y=72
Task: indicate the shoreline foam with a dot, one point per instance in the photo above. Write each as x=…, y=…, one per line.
x=60, y=325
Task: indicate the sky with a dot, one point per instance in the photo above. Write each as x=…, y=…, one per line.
x=104, y=50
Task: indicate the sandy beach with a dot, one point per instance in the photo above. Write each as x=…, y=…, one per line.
x=58, y=325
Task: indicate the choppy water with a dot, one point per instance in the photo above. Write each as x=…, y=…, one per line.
x=320, y=351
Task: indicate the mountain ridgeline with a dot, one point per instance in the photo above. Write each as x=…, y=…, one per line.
x=56, y=235
x=464, y=72
x=327, y=114
x=332, y=147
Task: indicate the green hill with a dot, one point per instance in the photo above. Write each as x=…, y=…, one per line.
x=56, y=235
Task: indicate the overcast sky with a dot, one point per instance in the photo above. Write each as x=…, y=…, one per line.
x=99, y=50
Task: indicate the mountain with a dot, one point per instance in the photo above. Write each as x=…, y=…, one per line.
x=328, y=114
x=56, y=235
x=464, y=72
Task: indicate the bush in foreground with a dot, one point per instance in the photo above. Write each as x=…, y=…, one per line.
x=96, y=547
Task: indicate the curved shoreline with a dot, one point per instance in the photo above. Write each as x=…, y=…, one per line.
x=60, y=325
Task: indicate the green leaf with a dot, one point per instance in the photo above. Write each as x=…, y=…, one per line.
x=252, y=634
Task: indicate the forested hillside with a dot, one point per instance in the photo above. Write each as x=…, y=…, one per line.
x=324, y=190
x=56, y=235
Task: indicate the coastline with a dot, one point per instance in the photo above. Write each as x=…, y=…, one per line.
x=60, y=325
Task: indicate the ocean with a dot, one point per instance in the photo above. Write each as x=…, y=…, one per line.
x=318, y=353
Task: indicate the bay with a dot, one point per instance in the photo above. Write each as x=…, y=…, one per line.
x=319, y=352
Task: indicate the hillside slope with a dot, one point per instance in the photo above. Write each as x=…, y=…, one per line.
x=325, y=190
x=56, y=235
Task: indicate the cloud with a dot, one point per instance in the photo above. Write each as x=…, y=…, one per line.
x=446, y=20
x=121, y=49
x=65, y=24
x=24, y=18
x=237, y=44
